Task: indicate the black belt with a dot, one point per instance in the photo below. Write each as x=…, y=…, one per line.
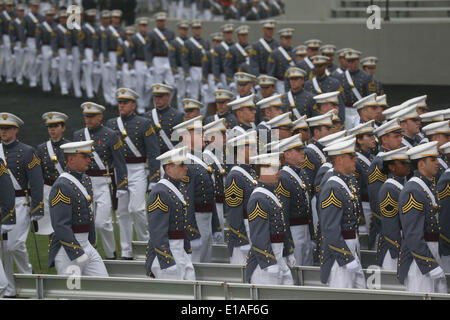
x=220, y=199
x=349, y=234
x=298, y=221
x=176, y=235
x=83, y=228
x=277, y=238
x=96, y=173
x=196, y=65
x=136, y=159
x=431, y=237
x=203, y=207
x=49, y=182
x=22, y=193
x=140, y=59
x=161, y=55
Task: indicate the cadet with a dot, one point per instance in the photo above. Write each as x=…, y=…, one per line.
x=369, y=65
x=278, y=126
x=237, y=58
x=208, y=81
x=440, y=132
x=265, y=263
x=166, y=214
x=191, y=108
x=260, y=50
x=389, y=135
x=411, y=124
x=342, y=63
x=17, y=38
x=356, y=83
x=312, y=49
x=7, y=222
x=301, y=126
x=64, y=43
x=329, y=51
x=244, y=109
x=160, y=39
x=108, y=157
x=271, y=107
x=216, y=11
x=327, y=102
x=300, y=101
x=163, y=117
x=218, y=61
x=340, y=265
x=52, y=161
x=367, y=108
x=140, y=146
x=295, y=198
x=239, y=184
x=7, y=16
x=281, y=59
x=100, y=70
x=223, y=97
x=125, y=60
x=32, y=20
x=231, y=12
x=266, y=86
x=47, y=47
x=175, y=56
x=253, y=13
x=110, y=40
x=192, y=53
x=396, y=167
x=443, y=197
x=419, y=262
x=277, y=7
x=89, y=50
x=73, y=242
x=365, y=142
x=74, y=67
x=321, y=82
x=25, y=172
x=200, y=191
x=214, y=156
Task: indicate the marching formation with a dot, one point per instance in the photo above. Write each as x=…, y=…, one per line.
x=276, y=152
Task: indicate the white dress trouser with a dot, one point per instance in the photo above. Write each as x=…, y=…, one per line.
x=31, y=70
x=93, y=267
x=389, y=263
x=208, y=94
x=109, y=80
x=415, y=281
x=302, y=245
x=98, y=73
x=131, y=209
x=62, y=71
x=445, y=260
x=219, y=209
x=16, y=246
x=45, y=223
x=102, y=208
x=3, y=278
x=193, y=87
x=7, y=65
x=278, y=274
x=181, y=88
x=144, y=96
x=340, y=277
x=367, y=214
x=45, y=68
x=315, y=215
x=202, y=247
x=184, y=269
x=239, y=254
x=76, y=71
x=88, y=66
x=19, y=53
x=162, y=73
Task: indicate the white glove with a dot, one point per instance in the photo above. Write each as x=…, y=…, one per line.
x=107, y=64
x=232, y=86
x=217, y=237
x=219, y=86
x=82, y=260
x=132, y=72
x=120, y=193
x=188, y=79
x=171, y=269
x=176, y=77
x=151, y=185
x=196, y=243
x=84, y=62
x=70, y=58
x=6, y=228
x=290, y=261
x=205, y=87
x=353, y=266
x=436, y=273
x=151, y=70
x=245, y=247
x=272, y=269
x=257, y=87
x=36, y=218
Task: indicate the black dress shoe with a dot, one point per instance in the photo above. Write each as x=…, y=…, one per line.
x=127, y=258
x=113, y=258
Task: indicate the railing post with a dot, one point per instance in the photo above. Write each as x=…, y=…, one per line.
x=386, y=17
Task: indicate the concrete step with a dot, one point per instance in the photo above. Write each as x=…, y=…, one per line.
x=394, y=12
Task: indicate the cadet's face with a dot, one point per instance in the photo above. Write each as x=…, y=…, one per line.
x=312, y=52
x=284, y=132
x=105, y=21
x=296, y=83
x=20, y=13
x=440, y=138
x=161, y=101
x=244, y=89
x=189, y=114
x=370, y=70
x=55, y=131
x=9, y=8
x=305, y=134
x=267, y=91
x=286, y=42
x=325, y=107
x=115, y=21
x=228, y=36
x=79, y=162
x=393, y=140
x=367, y=142
x=373, y=112
x=274, y=111
x=126, y=107
x=183, y=32
x=8, y=134
x=49, y=18
x=324, y=131
x=35, y=9
x=348, y=163
x=331, y=56
x=176, y=171
x=268, y=33
x=222, y=106
x=335, y=128
x=270, y=174
x=143, y=28
x=248, y=114
x=243, y=38
x=197, y=32
x=160, y=24
x=343, y=62
x=353, y=64
x=431, y=166
x=93, y=122
x=295, y=156
x=401, y=168
x=319, y=69
x=299, y=57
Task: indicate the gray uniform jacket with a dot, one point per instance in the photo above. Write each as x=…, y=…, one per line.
x=166, y=216
x=192, y=55
x=419, y=222
x=362, y=81
x=443, y=197
x=390, y=234
x=46, y=38
x=313, y=161
x=238, y=189
x=235, y=61
x=24, y=164
x=143, y=135
x=49, y=171
x=17, y=32
x=175, y=53
x=337, y=218
x=70, y=211
x=7, y=197
x=31, y=24
x=218, y=62
x=157, y=46
x=303, y=101
x=267, y=226
x=277, y=64
x=259, y=56
x=88, y=39
x=109, y=147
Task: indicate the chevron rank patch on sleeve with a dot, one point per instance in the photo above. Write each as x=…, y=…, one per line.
x=389, y=207
x=234, y=196
x=332, y=200
x=60, y=197
x=158, y=204
x=376, y=175
x=412, y=204
x=257, y=212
